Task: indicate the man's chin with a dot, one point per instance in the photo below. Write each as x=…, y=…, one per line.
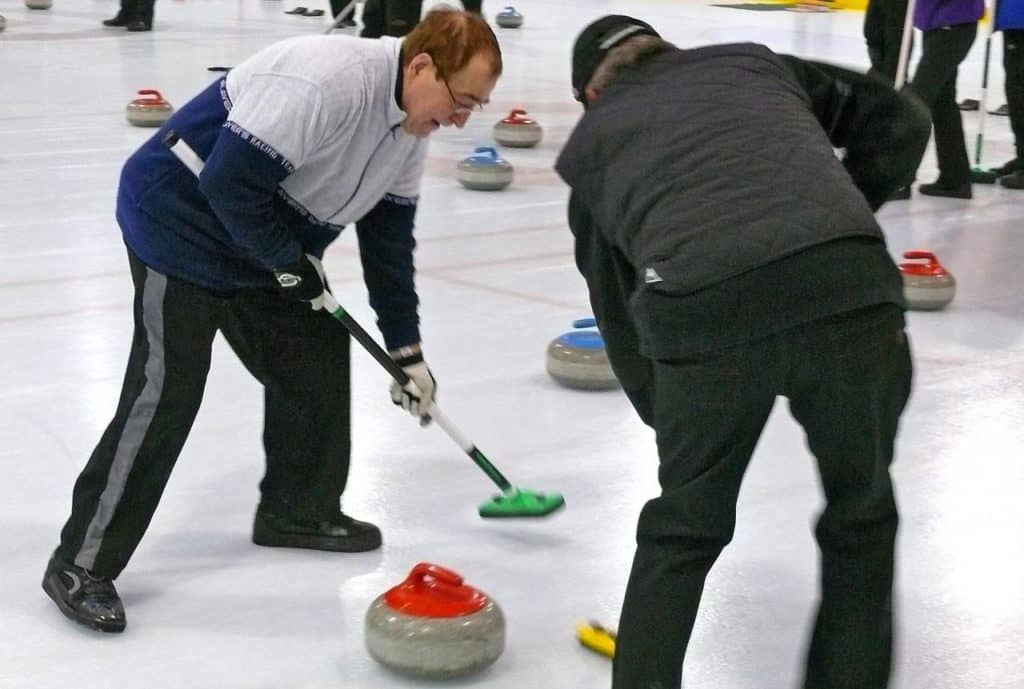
x=421, y=132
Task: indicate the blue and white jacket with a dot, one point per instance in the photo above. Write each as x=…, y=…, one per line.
x=299, y=140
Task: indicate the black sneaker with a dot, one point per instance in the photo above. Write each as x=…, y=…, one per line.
x=341, y=533
x=139, y=25
x=88, y=600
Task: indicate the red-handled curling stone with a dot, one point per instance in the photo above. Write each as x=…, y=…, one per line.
x=926, y=286
x=517, y=130
x=151, y=110
x=433, y=625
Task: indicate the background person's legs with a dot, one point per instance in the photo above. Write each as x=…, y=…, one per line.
x=883, y=32
x=935, y=82
x=1013, y=64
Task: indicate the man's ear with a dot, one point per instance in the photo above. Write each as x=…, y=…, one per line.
x=419, y=62
x=591, y=94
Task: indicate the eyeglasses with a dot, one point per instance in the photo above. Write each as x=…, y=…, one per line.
x=459, y=108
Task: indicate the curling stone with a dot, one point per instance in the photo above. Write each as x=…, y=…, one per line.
x=432, y=625
x=509, y=18
x=485, y=170
x=39, y=4
x=517, y=131
x=577, y=359
x=149, y=111
x=926, y=286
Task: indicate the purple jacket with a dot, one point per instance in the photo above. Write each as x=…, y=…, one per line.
x=933, y=14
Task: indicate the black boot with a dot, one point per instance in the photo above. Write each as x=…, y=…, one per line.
x=1014, y=180
x=118, y=20
x=340, y=533
x=1009, y=167
x=141, y=14
x=88, y=600
x=941, y=188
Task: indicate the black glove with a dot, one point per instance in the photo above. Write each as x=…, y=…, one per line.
x=302, y=280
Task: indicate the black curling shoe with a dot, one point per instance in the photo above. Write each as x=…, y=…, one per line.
x=86, y=599
x=340, y=533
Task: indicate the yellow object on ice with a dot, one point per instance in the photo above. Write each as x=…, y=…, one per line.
x=598, y=639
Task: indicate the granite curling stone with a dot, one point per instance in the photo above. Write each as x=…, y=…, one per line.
x=433, y=625
x=577, y=359
x=926, y=286
x=517, y=131
x=151, y=110
x=485, y=170
x=509, y=18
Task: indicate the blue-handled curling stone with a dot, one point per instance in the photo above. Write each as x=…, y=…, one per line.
x=577, y=359
x=485, y=170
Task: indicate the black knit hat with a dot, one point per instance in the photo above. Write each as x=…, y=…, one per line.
x=596, y=40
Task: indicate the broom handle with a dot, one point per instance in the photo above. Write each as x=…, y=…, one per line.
x=983, y=105
x=348, y=9
x=908, y=32
x=395, y=371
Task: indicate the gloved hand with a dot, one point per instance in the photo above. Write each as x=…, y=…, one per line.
x=302, y=280
x=415, y=401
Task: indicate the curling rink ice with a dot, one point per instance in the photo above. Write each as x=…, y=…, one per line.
x=206, y=608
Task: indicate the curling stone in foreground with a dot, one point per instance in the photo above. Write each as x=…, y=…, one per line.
x=926, y=286
x=485, y=170
x=432, y=625
x=509, y=18
x=39, y=4
x=518, y=131
x=149, y=111
x=577, y=359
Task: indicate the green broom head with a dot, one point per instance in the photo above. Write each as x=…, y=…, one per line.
x=980, y=176
x=521, y=503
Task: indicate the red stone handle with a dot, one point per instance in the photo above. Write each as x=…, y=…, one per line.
x=157, y=96
x=516, y=117
x=926, y=255
x=442, y=575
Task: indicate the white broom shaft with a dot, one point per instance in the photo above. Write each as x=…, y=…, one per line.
x=908, y=32
x=983, y=104
x=350, y=8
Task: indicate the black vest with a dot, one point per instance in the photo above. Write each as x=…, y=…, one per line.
x=700, y=165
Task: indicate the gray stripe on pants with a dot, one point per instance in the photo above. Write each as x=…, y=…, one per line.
x=139, y=419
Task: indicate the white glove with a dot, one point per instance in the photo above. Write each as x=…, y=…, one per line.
x=419, y=394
